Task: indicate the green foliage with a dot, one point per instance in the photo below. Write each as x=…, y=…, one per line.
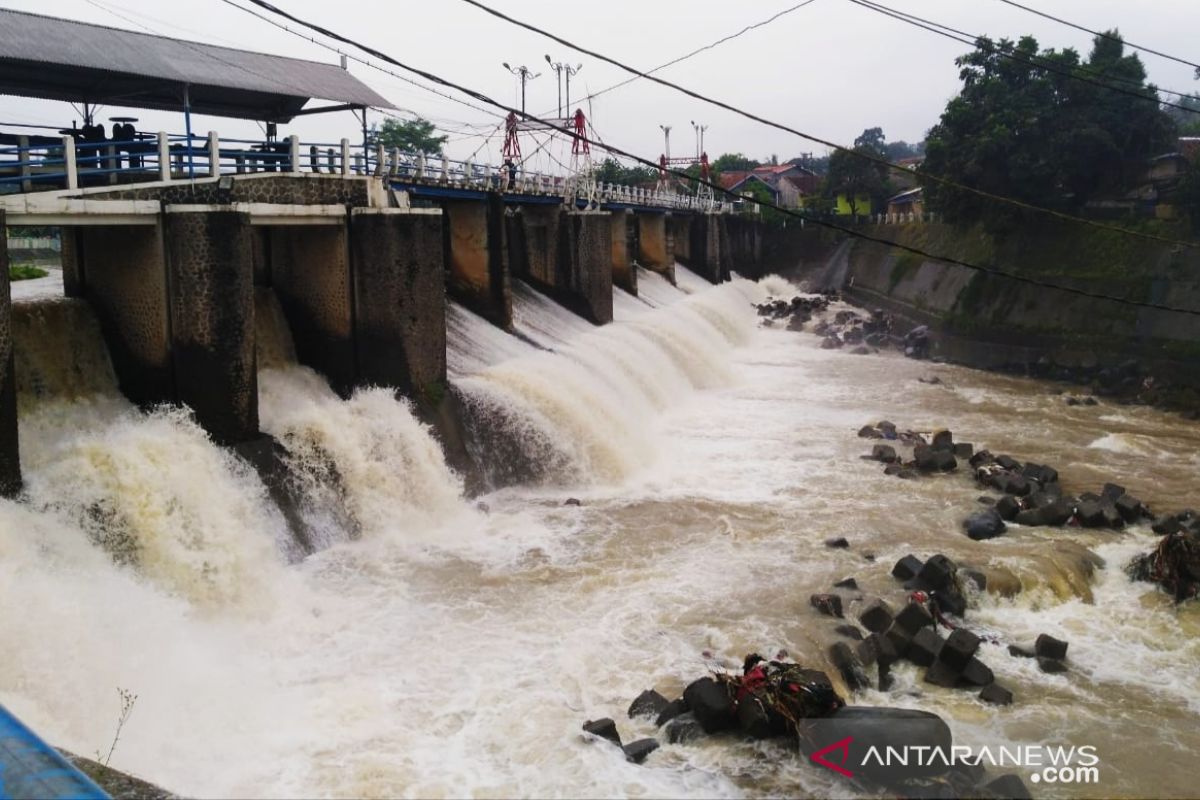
x=25, y=272
x=1187, y=122
x=853, y=174
x=1188, y=197
x=611, y=171
x=732, y=162
x=1021, y=130
x=409, y=135
x=761, y=194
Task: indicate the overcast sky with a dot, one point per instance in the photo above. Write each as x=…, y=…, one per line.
x=832, y=68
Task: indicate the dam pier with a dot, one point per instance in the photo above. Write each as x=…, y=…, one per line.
x=362, y=266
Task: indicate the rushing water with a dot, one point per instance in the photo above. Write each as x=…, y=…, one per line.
x=438, y=646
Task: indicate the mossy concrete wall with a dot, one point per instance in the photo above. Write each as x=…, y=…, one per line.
x=656, y=243
x=624, y=250
x=10, y=457
x=994, y=321
x=476, y=258
x=567, y=255
x=211, y=300
x=121, y=272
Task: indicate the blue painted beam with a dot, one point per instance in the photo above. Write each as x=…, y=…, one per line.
x=30, y=769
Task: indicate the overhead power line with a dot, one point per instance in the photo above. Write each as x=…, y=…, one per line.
x=810, y=137
x=1078, y=27
x=989, y=270
x=1101, y=80
x=700, y=50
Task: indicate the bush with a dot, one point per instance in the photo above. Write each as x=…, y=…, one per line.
x=25, y=272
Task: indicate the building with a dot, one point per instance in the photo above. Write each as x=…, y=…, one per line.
x=910, y=201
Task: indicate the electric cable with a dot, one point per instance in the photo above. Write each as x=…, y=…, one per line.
x=1043, y=14
x=881, y=161
x=988, y=270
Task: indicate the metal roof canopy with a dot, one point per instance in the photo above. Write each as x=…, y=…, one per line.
x=60, y=59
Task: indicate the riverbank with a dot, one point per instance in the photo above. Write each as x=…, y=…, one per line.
x=1119, y=350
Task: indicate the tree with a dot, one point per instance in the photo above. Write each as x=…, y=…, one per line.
x=611, y=171
x=1023, y=127
x=732, y=162
x=409, y=135
x=852, y=172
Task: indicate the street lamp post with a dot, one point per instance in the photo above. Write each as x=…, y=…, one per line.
x=524, y=74
x=560, y=68
x=567, y=68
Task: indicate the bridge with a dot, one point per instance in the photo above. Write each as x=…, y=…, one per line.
x=169, y=237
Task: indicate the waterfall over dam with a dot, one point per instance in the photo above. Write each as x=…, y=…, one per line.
x=422, y=641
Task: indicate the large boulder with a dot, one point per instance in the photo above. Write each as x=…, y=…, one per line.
x=711, y=704
x=986, y=524
x=861, y=730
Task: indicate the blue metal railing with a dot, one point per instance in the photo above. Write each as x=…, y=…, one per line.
x=68, y=162
x=30, y=768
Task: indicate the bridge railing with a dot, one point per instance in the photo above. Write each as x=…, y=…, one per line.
x=31, y=163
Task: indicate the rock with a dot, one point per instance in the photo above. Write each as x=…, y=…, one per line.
x=572, y=501
x=838, y=543
x=1055, y=513
x=912, y=618
x=672, y=710
x=1011, y=483
x=976, y=577
x=604, y=728
x=1090, y=514
x=937, y=573
x=1129, y=507
x=949, y=601
x=963, y=450
x=1008, y=786
x=977, y=673
x=888, y=429
x=710, y=704
x=868, y=432
x=1047, y=646
x=942, y=674
x=960, y=647
x=753, y=719
x=986, y=500
x=1008, y=507
x=861, y=350
x=1051, y=665
x=877, y=648
x=885, y=676
x=986, y=524
x=648, y=704
x=831, y=342
x=683, y=729
x=907, y=568
x=866, y=727
x=996, y=694
x=850, y=632
x=828, y=604
x=877, y=616
x=928, y=459
x=1167, y=526
x=942, y=440
x=884, y=452
x=1112, y=491
x=1009, y=463
x=899, y=639
x=848, y=666
x=846, y=583
x=1040, y=473
x=924, y=647
x=637, y=751
x=1017, y=651
x=980, y=458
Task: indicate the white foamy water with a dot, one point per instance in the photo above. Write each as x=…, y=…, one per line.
x=448, y=650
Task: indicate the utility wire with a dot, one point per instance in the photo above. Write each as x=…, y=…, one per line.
x=353, y=57
x=1034, y=61
x=988, y=270
x=1044, y=15
x=855, y=153
x=699, y=50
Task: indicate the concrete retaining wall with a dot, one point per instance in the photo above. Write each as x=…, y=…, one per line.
x=10, y=458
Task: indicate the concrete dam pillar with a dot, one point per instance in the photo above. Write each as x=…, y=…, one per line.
x=476, y=257
x=591, y=262
x=656, y=243
x=624, y=250
x=10, y=454
x=211, y=301
x=568, y=255
x=121, y=271
x=704, y=247
x=400, y=300
x=309, y=269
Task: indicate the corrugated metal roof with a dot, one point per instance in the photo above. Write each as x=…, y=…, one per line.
x=107, y=61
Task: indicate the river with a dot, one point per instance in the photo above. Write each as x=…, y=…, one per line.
x=438, y=646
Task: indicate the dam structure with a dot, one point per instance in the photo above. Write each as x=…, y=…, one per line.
x=168, y=238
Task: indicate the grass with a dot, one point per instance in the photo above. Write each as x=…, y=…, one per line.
x=25, y=272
